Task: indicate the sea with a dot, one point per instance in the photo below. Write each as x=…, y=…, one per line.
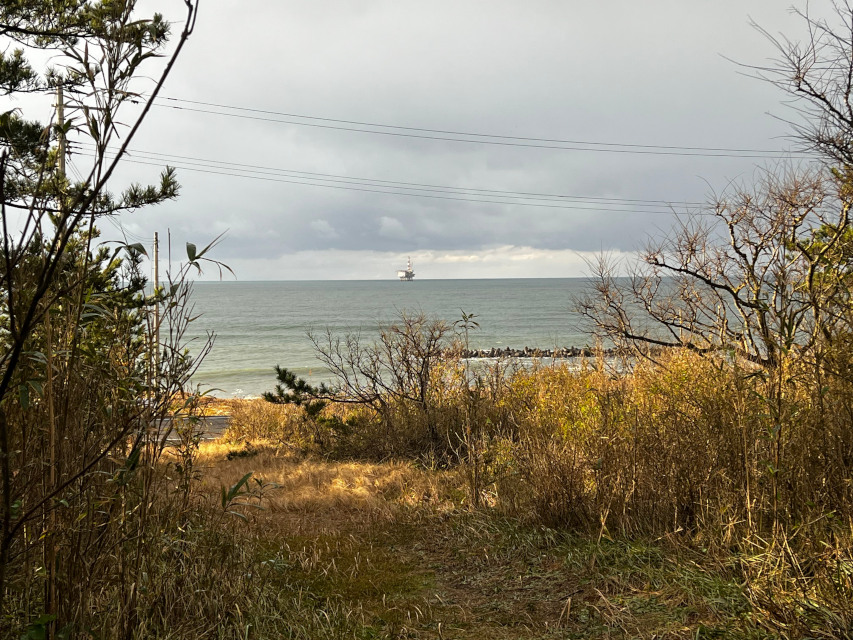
x=258, y=325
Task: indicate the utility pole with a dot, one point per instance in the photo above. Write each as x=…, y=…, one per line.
x=51, y=546
x=156, y=306
x=60, y=121
x=49, y=392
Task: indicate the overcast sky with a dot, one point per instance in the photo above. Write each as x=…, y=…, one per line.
x=618, y=72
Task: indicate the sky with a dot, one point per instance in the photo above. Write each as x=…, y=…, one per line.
x=591, y=78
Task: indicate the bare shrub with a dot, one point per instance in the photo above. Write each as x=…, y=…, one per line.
x=402, y=378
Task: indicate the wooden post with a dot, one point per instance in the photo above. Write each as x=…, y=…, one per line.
x=60, y=121
x=51, y=537
x=156, y=308
x=51, y=413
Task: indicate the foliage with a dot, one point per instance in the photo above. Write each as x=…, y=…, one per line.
x=688, y=444
x=682, y=451
x=292, y=389
x=85, y=385
x=398, y=549
x=252, y=420
x=759, y=283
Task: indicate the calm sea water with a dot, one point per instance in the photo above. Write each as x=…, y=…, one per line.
x=261, y=324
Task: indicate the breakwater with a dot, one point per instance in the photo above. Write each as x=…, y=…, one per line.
x=531, y=352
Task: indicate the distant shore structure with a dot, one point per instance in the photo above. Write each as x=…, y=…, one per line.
x=406, y=275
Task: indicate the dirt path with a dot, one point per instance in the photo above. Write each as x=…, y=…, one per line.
x=394, y=548
x=427, y=579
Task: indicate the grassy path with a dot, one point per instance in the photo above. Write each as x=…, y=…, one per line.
x=390, y=551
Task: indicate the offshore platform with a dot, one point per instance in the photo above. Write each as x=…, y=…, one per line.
x=406, y=275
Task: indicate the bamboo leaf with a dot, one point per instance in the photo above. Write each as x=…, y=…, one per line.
x=136, y=248
x=235, y=490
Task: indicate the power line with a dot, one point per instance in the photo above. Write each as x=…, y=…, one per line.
x=75, y=170
x=504, y=141
x=265, y=177
x=124, y=232
x=780, y=155
x=416, y=186
x=617, y=147
x=115, y=223
x=578, y=145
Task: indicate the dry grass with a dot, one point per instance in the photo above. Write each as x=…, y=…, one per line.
x=743, y=483
x=207, y=405
x=258, y=419
x=316, y=485
x=391, y=550
x=688, y=444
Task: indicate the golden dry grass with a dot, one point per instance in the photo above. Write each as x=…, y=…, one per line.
x=396, y=551
x=317, y=485
x=212, y=406
x=676, y=455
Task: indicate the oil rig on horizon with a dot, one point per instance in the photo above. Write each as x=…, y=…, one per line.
x=406, y=275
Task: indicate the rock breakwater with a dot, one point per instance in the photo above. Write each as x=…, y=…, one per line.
x=532, y=352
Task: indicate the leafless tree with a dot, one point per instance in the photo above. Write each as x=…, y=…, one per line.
x=818, y=74
x=400, y=367
x=764, y=269
x=756, y=275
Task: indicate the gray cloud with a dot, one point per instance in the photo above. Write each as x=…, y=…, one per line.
x=623, y=72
